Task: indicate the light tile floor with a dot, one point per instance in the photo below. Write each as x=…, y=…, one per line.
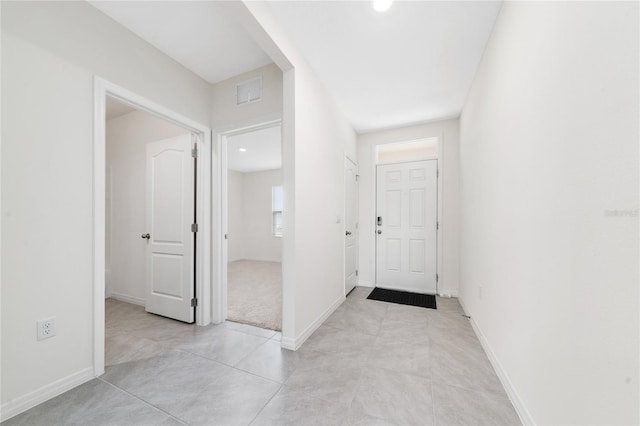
x=370, y=363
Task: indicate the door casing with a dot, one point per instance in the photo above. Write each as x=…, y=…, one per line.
x=102, y=89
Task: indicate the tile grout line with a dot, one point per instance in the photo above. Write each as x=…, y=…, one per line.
x=267, y=403
x=144, y=401
x=232, y=366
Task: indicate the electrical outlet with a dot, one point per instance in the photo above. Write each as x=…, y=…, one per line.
x=46, y=328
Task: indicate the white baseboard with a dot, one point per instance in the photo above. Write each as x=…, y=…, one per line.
x=259, y=259
x=518, y=404
x=363, y=283
x=294, y=344
x=128, y=299
x=21, y=404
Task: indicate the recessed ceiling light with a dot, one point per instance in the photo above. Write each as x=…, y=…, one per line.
x=243, y=150
x=382, y=5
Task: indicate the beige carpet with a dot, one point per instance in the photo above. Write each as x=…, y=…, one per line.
x=254, y=293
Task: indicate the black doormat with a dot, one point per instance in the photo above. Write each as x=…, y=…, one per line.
x=403, y=298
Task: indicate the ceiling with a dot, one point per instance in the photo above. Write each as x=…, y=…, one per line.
x=115, y=109
x=412, y=64
x=263, y=150
x=201, y=35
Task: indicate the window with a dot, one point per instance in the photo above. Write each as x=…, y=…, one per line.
x=422, y=149
x=276, y=211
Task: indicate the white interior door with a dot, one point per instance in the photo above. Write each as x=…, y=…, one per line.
x=170, y=240
x=406, y=226
x=350, y=225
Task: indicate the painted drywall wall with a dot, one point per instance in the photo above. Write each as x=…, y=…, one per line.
x=259, y=242
x=446, y=131
x=315, y=138
x=549, y=193
x=249, y=221
x=127, y=137
x=50, y=53
x=227, y=115
x=235, y=215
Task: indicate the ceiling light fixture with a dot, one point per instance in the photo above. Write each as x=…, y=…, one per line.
x=382, y=5
x=243, y=150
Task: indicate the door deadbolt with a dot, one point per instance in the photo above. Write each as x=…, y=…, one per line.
x=146, y=236
x=379, y=231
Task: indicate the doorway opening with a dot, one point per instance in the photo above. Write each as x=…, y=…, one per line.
x=151, y=221
x=252, y=197
x=408, y=195
x=150, y=246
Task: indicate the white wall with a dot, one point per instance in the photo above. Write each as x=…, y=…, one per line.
x=127, y=137
x=235, y=216
x=548, y=150
x=322, y=137
x=227, y=115
x=316, y=137
x=447, y=133
x=259, y=243
x=50, y=53
x=249, y=222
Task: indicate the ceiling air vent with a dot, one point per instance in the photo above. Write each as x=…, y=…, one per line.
x=249, y=91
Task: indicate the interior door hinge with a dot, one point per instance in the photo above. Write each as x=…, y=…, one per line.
x=194, y=302
x=357, y=178
x=437, y=225
x=437, y=277
x=194, y=151
x=356, y=272
x=194, y=227
x=226, y=236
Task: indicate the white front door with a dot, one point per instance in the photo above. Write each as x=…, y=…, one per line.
x=350, y=225
x=170, y=240
x=406, y=221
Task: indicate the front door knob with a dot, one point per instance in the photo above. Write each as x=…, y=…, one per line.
x=146, y=236
x=379, y=231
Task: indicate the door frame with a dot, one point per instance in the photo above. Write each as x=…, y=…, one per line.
x=102, y=89
x=220, y=288
x=439, y=201
x=357, y=214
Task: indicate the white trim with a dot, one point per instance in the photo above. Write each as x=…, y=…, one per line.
x=363, y=283
x=21, y=404
x=448, y=294
x=219, y=289
x=102, y=88
x=440, y=204
x=516, y=400
x=294, y=345
x=128, y=299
